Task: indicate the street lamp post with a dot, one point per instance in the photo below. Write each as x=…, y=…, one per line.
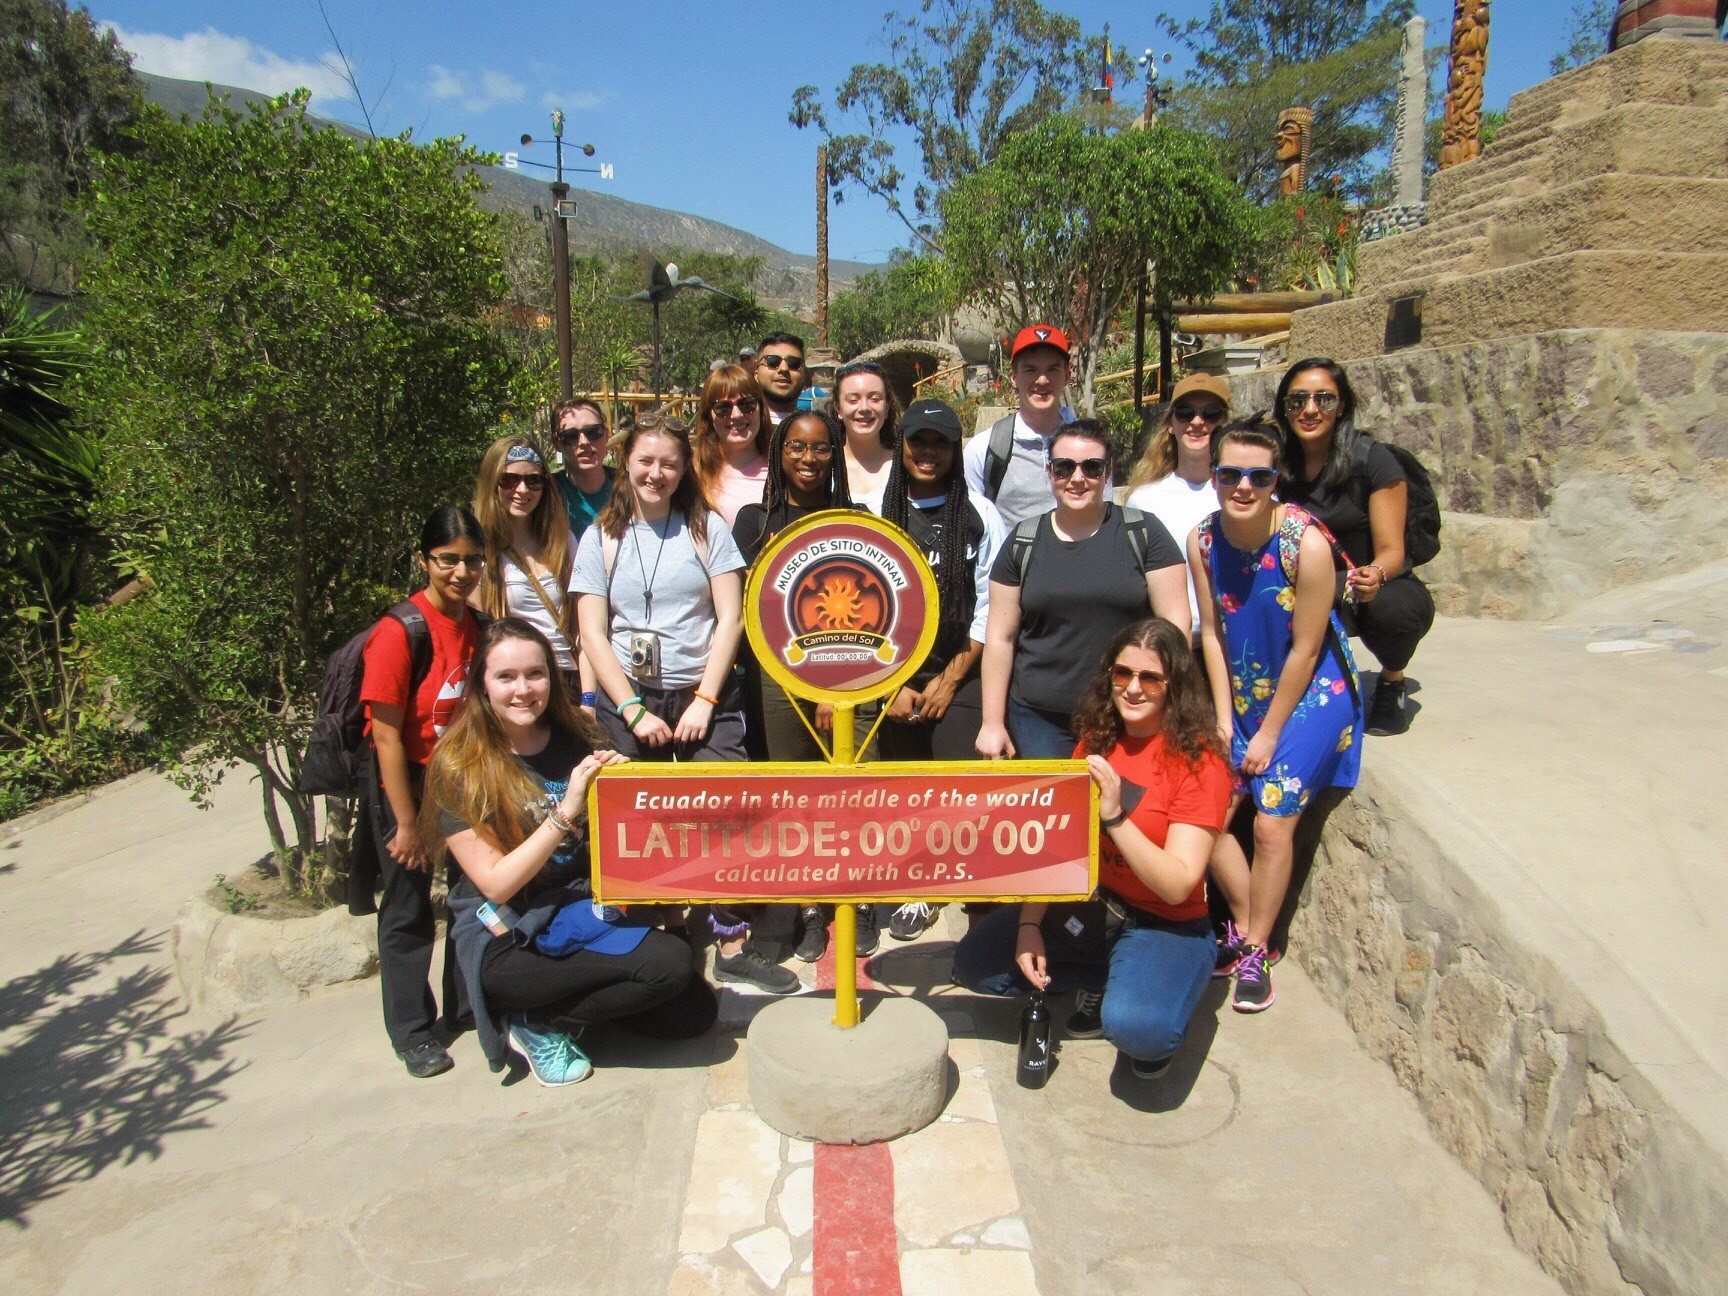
x=561, y=211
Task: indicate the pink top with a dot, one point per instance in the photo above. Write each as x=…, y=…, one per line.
x=734, y=488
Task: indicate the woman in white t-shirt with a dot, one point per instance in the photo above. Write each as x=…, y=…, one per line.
x=1173, y=480
x=730, y=444
x=868, y=411
x=529, y=551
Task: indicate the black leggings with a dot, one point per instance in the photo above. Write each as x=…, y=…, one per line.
x=654, y=990
x=1394, y=623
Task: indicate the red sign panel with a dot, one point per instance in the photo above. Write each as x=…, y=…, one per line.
x=1026, y=830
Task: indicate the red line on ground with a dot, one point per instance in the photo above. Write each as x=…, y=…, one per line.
x=855, y=1252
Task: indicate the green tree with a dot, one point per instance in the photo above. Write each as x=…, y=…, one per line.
x=1252, y=60
x=909, y=299
x=964, y=77
x=68, y=93
x=1062, y=224
x=1588, y=29
x=292, y=370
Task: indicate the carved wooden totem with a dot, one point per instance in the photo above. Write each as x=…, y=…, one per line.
x=1295, y=137
x=1461, y=131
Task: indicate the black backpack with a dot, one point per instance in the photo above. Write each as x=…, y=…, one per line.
x=336, y=751
x=998, y=454
x=1422, y=505
x=1025, y=534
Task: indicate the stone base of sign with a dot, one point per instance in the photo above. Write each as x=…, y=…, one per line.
x=885, y=1077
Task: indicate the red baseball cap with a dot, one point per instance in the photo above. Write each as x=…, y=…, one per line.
x=1038, y=335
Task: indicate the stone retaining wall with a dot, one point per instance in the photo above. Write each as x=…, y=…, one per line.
x=1595, y=1175
x=1609, y=445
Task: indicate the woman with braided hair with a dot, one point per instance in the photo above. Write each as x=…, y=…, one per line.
x=806, y=474
x=937, y=714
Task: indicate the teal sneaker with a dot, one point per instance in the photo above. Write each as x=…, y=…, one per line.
x=553, y=1058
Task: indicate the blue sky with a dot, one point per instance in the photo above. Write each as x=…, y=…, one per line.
x=689, y=109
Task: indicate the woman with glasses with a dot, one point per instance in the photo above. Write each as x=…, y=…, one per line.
x=806, y=474
x=868, y=412
x=529, y=551
x=1141, y=954
x=1061, y=586
x=1283, y=683
x=411, y=686
x=1356, y=487
x=731, y=442
x=1173, y=479
x=659, y=579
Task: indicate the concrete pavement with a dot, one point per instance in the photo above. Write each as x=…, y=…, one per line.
x=157, y=1150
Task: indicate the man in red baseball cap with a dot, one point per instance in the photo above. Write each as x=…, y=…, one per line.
x=1006, y=466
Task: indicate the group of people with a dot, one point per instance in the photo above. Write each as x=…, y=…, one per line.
x=1191, y=646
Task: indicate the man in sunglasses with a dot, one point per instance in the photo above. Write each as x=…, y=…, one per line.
x=1007, y=466
x=780, y=374
x=586, y=481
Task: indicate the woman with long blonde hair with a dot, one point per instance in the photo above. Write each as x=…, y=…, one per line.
x=529, y=549
x=730, y=443
x=505, y=798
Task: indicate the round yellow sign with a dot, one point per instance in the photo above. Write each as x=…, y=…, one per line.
x=840, y=607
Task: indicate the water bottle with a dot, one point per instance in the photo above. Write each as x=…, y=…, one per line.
x=1034, y=1068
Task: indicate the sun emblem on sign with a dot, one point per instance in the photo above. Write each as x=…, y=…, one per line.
x=841, y=595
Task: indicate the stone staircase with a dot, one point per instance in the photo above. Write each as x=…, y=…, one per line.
x=1602, y=204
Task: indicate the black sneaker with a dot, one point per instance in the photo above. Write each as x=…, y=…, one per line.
x=814, y=943
x=910, y=921
x=747, y=967
x=1389, y=713
x=1144, y=1070
x=868, y=935
x=1087, y=1021
x=426, y=1059
x=1253, y=982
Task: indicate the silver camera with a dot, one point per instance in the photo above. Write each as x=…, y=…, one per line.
x=645, y=655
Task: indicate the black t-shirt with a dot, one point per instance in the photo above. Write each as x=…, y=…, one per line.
x=753, y=528
x=924, y=525
x=550, y=767
x=1344, y=508
x=1077, y=595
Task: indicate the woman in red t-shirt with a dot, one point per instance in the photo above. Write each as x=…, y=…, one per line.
x=406, y=711
x=1141, y=954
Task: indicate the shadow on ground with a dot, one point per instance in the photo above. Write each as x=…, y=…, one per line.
x=94, y=1075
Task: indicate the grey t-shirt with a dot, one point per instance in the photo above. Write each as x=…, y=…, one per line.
x=660, y=585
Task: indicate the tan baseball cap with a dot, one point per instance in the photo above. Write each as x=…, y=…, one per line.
x=1211, y=384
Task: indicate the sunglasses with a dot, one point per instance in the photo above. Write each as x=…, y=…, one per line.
x=1187, y=413
x=1296, y=402
x=745, y=405
x=1150, y=681
x=793, y=363
x=449, y=562
x=1090, y=469
x=1258, y=478
x=521, y=481
x=593, y=432
x=809, y=449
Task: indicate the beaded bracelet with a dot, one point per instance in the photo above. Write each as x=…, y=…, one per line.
x=563, y=820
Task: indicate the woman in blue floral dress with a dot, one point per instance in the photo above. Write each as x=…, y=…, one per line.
x=1282, y=680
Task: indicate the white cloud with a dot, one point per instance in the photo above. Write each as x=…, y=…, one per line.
x=475, y=92
x=211, y=55
x=573, y=100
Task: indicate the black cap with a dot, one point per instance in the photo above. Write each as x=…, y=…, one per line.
x=932, y=415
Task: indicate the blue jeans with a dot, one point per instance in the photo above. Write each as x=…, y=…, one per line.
x=1039, y=735
x=1152, y=977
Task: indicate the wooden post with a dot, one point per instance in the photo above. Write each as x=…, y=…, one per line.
x=1165, y=344
x=822, y=247
x=1461, y=129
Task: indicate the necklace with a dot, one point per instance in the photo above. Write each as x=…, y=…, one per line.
x=648, y=576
